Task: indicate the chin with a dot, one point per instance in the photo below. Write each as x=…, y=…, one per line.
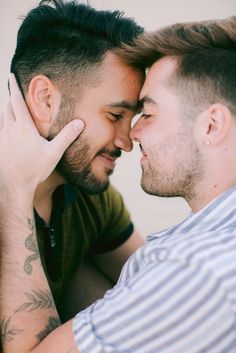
x=93, y=188
x=148, y=190
x=95, y=184
x=149, y=187
x=88, y=179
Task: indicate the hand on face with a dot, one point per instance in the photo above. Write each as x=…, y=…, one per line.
x=26, y=158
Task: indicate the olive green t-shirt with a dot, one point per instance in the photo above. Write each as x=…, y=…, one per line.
x=81, y=224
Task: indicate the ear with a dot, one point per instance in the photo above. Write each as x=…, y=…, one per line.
x=43, y=99
x=216, y=124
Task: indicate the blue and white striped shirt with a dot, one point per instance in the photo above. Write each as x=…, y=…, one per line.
x=176, y=294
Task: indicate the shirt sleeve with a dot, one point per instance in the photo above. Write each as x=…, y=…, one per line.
x=117, y=225
x=167, y=307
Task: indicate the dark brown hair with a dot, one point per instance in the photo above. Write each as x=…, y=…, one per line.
x=66, y=40
x=205, y=53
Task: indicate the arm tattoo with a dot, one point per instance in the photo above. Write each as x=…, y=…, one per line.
x=31, y=245
x=7, y=332
x=37, y=300
x=53, y=323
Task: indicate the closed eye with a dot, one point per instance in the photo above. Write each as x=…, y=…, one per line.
x=116, y=116
x=145, y=116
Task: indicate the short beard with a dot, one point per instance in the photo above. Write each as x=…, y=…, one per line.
x=75, y=168
x=184, y=188
x=183, y=181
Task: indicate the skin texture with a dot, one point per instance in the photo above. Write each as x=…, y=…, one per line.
x=179, y=142
x=172, y=162
x=106, y=105
x=107, y=110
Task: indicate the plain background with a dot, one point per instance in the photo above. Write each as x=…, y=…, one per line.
x=149, y=213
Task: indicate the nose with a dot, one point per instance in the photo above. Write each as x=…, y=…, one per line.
x=123, y=140
x=135, y=131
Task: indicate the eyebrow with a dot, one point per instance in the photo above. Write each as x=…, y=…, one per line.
x=124, y=105
x=146, y=100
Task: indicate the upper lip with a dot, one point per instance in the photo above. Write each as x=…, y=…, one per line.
x=112, y=155
x=108, y=156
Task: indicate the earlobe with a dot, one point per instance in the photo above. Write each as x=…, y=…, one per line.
x=218, y=122
x=42, y=99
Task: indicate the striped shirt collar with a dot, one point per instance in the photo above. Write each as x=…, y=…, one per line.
x=217, y=215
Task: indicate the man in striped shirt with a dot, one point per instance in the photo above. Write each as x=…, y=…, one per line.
x=176, y=294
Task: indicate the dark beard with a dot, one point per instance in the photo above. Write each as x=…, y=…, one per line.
x=75, y=168
x=84, y=179
x=74, y=165
x=81, y=175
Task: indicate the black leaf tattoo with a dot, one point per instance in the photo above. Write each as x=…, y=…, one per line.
x=7, y=332
x=37, y=300
x=53, y=323
x=31, y=245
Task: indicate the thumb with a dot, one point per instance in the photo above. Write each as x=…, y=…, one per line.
x=65, y=137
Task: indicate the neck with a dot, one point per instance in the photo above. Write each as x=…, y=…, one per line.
x=43, y=195
x=204, y=195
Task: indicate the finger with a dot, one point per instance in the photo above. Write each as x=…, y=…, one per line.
x=65, y=137
x=19, y=106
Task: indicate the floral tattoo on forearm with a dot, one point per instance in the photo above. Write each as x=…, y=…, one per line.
x=37, y=300
x=8, y=332
x=31, y=245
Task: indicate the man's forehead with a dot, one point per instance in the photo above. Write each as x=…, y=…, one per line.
x=162, y=69
x=158, y=75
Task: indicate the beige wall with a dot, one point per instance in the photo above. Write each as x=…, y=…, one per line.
x=149, y=213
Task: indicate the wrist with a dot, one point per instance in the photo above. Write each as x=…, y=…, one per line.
x=15, y=197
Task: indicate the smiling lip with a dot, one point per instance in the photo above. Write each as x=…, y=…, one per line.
x=143, y=158
x=109, y=160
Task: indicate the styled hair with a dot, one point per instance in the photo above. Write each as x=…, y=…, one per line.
x=66, y=41
x=205, y=54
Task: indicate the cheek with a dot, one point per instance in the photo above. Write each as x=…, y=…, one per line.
x=99, y=133
x=159, y=148
x=149, y=139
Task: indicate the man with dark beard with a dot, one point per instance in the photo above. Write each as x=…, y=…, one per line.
x=66, y=68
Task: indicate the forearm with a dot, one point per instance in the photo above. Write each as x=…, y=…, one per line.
x=28, y=312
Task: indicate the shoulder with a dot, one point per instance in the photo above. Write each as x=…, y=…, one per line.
x=111, y=191
x=107, y=200
x=211, y=254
